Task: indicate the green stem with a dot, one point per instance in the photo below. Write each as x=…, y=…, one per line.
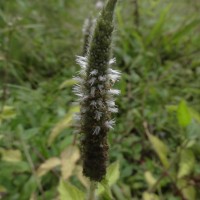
x=93, y=186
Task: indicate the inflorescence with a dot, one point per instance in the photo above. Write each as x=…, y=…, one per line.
x=96, y=96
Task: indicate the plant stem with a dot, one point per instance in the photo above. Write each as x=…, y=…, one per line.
x=93, y=186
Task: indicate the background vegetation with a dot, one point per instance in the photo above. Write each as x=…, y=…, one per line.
x=155, y=147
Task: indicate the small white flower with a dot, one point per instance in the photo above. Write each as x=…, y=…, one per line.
x=102, y=78
x=114, y=92
x=112, y=61
x=114, y=77
x=110, y=124
x=78, y=79
x=113, y=110
x=112, y=71
x=100, y=103
x=92, y=92
x=96, y=130
x=82, y=61
x=100, y=88
x=94, y=104
x=92, y=81
x=98, y=115
x=78, y=90
x=110, y=103
x=94, y=72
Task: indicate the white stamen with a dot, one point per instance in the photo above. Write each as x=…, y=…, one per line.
x=100, y=87
x=81, y=58
x=98, y=115
x=92, y=92
x=94, y=72
x=96, y=130
x=100, y=103
x=78, y=90
x=82, y=61
x=112, y=61
x=85, y=97
x=110, y=124
x=102, y=78
x=94, y=104
x=113, y=110
x=82, y=72
x=114, y=77
x=114, y=92
x=78, y=79
x=110, y=103
x=92, y=81
x=112, y=71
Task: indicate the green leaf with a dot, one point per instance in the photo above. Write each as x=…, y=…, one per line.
x=11, y=155
x=63, y=124
x=149, y=178
x=193, y=130
x=187, y=162
x=67, y=83
x=183, y=114
x=111, y=178
x=184, y=30
x=47, y=166
x=8, y=112
x=69, y=192
x=149, y=196
x=188, y=191
x=195, y=115
x=70, y=155
x=160, y=148
x=157, y=29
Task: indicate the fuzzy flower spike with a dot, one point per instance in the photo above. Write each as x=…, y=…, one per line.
x=96, y=96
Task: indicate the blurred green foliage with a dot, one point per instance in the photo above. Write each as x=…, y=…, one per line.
x=156, y=141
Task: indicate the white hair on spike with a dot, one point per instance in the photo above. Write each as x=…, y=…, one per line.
x=96, y=130
x=114, y=77
x=94, y=104
x=92, y=81
x=82, y=61
x=100, y=87
x=78, y=90
x=78, y=79
x=112, y=71
x=92, y=92
x=98, y=115
x=85, y=97
x=82, y=58
x=102, y=78
x=94, y=72
x=113, y=110
x=114, y=92
x=110, y=124
x=110, y=103
x=100, y=102
x=112, y=61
